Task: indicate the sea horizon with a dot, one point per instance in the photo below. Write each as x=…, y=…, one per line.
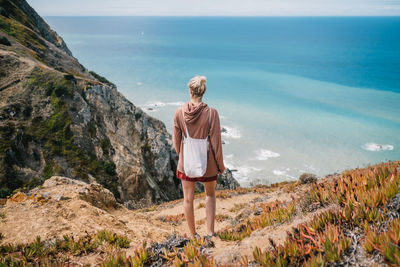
x=293, y=96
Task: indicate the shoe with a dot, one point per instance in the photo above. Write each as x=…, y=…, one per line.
x=195, y=236
x=209, y=242
x=210, y=236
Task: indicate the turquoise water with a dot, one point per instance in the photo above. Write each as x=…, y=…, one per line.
x=295, y=94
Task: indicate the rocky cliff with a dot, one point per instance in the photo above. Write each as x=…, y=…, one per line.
x=57, y=118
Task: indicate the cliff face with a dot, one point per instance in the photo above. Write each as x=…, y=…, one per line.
x=56, y=118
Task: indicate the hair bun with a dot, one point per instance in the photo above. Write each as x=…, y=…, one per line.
x=198, y=85
x=203, y=79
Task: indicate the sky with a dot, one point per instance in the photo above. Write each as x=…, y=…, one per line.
x=216, y=7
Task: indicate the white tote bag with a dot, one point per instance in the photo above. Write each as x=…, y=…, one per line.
x=195, y=153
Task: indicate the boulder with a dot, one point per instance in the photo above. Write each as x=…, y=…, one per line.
x=224, y=181
x=308, y=178
x=63, y=188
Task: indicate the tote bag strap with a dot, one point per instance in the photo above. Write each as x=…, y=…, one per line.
x=184, y=123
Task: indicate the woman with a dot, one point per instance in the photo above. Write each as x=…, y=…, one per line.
x=200, y=124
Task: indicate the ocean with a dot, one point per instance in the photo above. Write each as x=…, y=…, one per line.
x=294, y=94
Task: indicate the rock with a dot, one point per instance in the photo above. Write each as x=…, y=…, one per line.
x=98, y=196
x=18, y=197
x=63, y=188
x=4, y=41
x=174, y=241
x=308, y=178
x=226, y=181
x=59, y=180
x=58, y=197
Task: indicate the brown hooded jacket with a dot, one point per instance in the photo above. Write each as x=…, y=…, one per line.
x=199, y=126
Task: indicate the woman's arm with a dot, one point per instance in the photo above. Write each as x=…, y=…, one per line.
x=215, y=136
x=176, y=132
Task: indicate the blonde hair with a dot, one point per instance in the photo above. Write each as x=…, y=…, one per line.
x=198, y=85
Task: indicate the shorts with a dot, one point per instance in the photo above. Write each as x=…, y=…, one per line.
x=182, y=176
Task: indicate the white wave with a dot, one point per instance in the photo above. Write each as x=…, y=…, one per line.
x=244, y=171
x=242, y=174
x=179, y=103
x=377, y=147
x=282, y=172
x=154, y=104
x=264, y=154
x=230, y=132
x=139, y=83
x=160, y=104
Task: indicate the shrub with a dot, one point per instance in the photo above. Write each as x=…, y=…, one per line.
x=101, y=78
x=4, y=41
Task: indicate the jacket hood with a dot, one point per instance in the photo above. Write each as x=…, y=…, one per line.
x=193, y=111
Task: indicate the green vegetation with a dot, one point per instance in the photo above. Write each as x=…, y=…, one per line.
x=272, y=213
x=48, y=170
x=387, y=243
x=105, y=145
x=55, y=137
x=113, y=239
x=141, y=257
x=101, y=78
x=69, y=77
x=7, y=132
x=13, y=9
x=57, y=251
x=360, y=197
x=237, y=207
x=4, y=41
x=22, y=34
x=2, y=215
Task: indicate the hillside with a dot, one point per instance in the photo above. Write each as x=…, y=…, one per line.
x=347, y=219
x=57, y=118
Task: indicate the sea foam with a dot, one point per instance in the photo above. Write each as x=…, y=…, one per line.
x=377, y=147
x=154, y=106
x=230, y=132
x=282, y=172
x=264, y=154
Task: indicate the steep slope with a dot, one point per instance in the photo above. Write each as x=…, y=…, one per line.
x=56, y=118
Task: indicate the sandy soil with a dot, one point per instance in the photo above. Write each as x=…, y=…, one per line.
x=62, y=209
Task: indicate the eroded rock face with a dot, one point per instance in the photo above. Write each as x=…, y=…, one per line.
x=140, y=147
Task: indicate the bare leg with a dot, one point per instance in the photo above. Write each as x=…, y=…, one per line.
x=188, y=195
x=210, y=205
